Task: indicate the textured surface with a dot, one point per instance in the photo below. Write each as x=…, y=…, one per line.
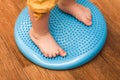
x=81, y=43
x=14, y=66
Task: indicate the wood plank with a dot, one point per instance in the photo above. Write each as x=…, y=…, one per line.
x=14, y=66
x=45, y=74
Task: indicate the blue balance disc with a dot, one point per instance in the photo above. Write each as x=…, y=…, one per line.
x=82, y=43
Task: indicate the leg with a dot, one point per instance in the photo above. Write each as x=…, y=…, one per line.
x=40, y=34
x=78, y=11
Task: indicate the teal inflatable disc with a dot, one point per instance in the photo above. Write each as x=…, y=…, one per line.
x=82, y=43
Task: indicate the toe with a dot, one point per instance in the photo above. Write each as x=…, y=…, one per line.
x=62, y=53
x=87, y=22
x=50, y=55
x=88, y=11
x=46, y=55
x=88, y=14
x=57, y=52
x=88, y=17
x=54, y=55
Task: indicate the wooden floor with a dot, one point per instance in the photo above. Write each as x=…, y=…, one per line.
x=13, y=66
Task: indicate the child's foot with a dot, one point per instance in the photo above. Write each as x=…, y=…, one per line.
x=47, y=44
x=40, y=35
x=78, y=11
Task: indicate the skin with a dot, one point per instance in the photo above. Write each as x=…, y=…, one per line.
x=40, y=35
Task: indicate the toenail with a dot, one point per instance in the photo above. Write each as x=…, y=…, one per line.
x=54, y=54
x=46, y=55
x=50, y=56
x=88, y=17
x=63, y=53
x=90, y=23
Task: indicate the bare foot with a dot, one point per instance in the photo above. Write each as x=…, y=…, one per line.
x=41, y=36
x=47, y=44
x=78, y=11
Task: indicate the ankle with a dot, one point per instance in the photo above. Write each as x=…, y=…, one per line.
x=64, y=3
x=36, y=34
x=66, y=6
